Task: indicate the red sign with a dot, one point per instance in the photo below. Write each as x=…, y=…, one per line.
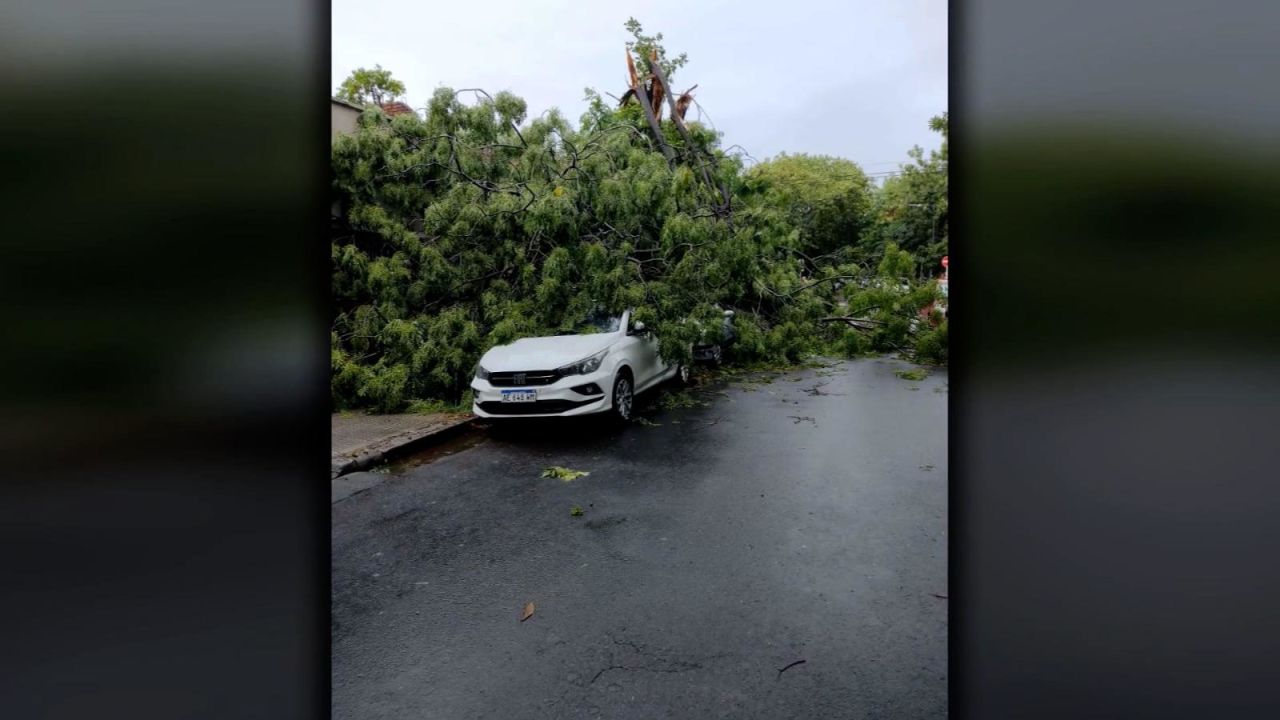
x=944, y=261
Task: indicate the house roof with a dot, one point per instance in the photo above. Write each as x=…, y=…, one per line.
x=396, y=108
x=353, y=106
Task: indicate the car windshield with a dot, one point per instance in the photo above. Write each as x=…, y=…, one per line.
x=597, y=321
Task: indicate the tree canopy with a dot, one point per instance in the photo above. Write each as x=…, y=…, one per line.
x=826, y=199
x=370, y=87
x=911, y=209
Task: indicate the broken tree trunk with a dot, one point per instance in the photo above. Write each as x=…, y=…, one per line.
x=647, y=108
x=688, y=139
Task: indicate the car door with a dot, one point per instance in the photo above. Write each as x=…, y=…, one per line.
x=643, y=349
x=655, y=358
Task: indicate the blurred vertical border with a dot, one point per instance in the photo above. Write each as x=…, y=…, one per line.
x=1115, y=401
x=164, y=277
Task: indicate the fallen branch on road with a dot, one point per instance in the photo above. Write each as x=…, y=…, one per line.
x=789, y=666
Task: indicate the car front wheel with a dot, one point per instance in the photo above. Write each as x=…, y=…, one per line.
x=623, y=397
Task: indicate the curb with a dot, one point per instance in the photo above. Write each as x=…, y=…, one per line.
x=342, y=466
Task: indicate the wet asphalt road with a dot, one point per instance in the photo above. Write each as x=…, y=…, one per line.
x=785, y=521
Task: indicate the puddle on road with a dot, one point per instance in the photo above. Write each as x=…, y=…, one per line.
x=465, y=441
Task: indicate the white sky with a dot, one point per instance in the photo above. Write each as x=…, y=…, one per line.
x=857, y=79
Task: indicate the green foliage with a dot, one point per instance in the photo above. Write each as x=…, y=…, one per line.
x=914, y=374
x=852, y=343
x=431, y=407
x=472, y=226
x=679, y=401
x=896, y=264
x=563, y=473
x=827, y=200
x=370, y=87
x=910, y=210
x=931, y=346
x=644, y=46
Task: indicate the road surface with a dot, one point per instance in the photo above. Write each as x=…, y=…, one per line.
x=802, y=519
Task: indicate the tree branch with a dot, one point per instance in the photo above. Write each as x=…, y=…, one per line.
x=855, y=322
x=688, y=139
x=819, y=282
x=667, y=152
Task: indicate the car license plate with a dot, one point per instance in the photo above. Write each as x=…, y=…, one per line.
x=509, y=396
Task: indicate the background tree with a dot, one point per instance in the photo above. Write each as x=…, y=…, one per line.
x=910, y=210
x=827, y=199
x=370, y=87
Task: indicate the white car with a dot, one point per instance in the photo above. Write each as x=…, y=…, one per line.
x=572, y=374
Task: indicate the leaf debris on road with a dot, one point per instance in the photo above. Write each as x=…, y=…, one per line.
x=528, y=612
x=576, y=510
x=679, y=401
x=563, y=473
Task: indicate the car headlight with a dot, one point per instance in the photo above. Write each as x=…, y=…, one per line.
x=481, y=373
x=585, y=367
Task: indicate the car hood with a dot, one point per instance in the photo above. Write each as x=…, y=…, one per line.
x=545, y=353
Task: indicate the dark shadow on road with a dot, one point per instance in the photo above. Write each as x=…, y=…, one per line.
x=554, y=432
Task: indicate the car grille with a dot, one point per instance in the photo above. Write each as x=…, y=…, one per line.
x=523, y=379
x=540, y=407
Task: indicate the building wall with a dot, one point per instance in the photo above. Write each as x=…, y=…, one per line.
x=343, y=118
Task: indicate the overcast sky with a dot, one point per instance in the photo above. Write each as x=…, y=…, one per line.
x=858, y=79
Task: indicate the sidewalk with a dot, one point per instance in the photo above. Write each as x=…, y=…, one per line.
x=359, y=440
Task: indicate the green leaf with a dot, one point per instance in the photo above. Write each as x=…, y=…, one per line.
x=563, y=473
x=915, y=375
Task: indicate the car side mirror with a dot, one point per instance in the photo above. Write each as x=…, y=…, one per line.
x=637, y=328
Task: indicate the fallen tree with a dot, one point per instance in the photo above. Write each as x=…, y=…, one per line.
x=473, y=226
